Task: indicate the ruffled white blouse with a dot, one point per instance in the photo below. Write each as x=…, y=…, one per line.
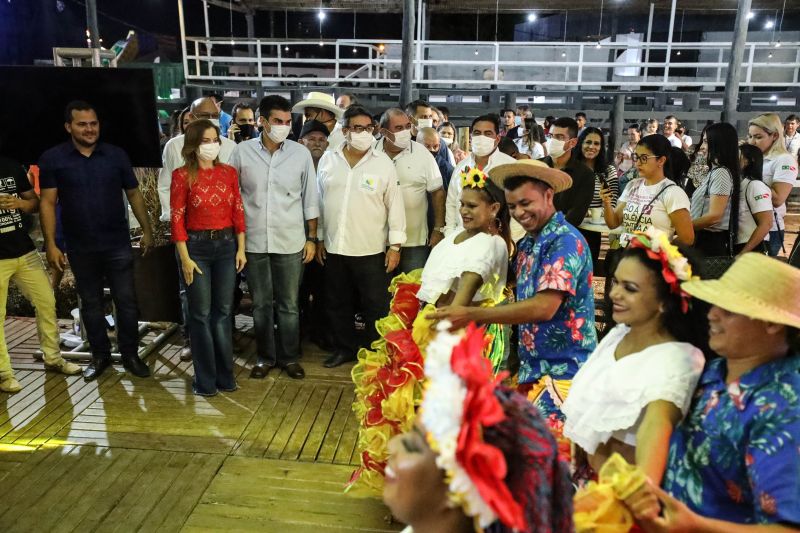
x=608, y=397
x=483, y=254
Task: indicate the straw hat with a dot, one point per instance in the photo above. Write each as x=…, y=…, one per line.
x=755, y=286
x=320, y=100
x=557, y=179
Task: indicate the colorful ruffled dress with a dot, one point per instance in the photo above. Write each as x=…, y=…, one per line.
x=388, y=378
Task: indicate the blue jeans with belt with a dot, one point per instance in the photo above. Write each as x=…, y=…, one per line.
x=274, y=281
x=210, y=299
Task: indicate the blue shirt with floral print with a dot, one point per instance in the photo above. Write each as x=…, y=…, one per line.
x=736, y=456
x=556, y=259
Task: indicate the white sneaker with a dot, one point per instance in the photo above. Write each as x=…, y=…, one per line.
x=10, y=385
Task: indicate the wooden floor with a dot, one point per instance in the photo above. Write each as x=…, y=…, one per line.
x=130, y=454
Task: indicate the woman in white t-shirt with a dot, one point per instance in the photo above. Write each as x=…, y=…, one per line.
x=780, y=170
x=755, y=204
x=638, y=383
x=651, y=200
x=717, y=192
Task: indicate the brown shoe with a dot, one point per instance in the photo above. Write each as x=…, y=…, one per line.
x=64, y=367
x=186, y=352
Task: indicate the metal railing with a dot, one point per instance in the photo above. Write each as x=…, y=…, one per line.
x=473, y=64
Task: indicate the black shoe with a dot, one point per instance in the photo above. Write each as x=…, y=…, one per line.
x=261, y=370
x=96, y=368
x=135, y=366
x=339, y=357
x=294, y=371
x=186, y=352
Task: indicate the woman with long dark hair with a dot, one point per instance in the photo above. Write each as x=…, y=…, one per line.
x=638, y=383
x=712, y=200
x=755, y=205
x=592, y=153
x=208, y=230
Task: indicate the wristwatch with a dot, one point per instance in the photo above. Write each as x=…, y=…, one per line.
x=312, y=239
x=395, y=248
x=440, y=229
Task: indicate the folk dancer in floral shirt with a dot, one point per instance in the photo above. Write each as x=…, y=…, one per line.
x=555, y=300
x=734, y=462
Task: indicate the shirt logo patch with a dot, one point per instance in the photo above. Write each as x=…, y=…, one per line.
x=369, y=183
x=761, y=196
x=788, y=167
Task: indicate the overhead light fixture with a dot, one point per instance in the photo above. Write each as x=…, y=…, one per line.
x=769, y=55
x=774, y=98
x=476, y=51
x=598, y=45
x=355, y=50
x=321, y=43
x=750, y=15
x=381, y=47
x=778, y=44
x=769, y=25
x=321, y=15
x=286, y=48
x=563, y=54
x=679, y=53
x=531, y=17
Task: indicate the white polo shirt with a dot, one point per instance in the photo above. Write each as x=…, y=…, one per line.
x=172, y=160
x=418, y=174
x=361, y=208
x=781, y=168
x=336, y=138
x=453, y=203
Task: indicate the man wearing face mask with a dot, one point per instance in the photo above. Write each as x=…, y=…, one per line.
x=361, y=210
x=419, y=176
x=172, y=160
x=243, y=127
x=573, y=202
x=433, y=142
x=485, y=133
x=322, y=107
x=279, y=192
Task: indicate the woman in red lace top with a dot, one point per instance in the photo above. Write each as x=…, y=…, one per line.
x=208, y=230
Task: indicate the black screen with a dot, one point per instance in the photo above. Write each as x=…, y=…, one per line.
x=34, y=98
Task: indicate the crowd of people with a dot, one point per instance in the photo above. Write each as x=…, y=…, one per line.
x=354, y=215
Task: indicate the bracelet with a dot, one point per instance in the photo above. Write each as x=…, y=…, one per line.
x=312, y=239
x=439, y=229
x=395, y=248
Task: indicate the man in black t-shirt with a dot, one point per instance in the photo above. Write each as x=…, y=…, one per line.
x=20, y=262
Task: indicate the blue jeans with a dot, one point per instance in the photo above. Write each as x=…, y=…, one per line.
x=183, y=298
x=276, y=278
x=91, y=269
x=210, y=298
x=412, y=258
x=775, y=243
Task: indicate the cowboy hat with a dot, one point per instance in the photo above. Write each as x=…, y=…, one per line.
x=755, y=286
x=557, y=179
x=321, y=101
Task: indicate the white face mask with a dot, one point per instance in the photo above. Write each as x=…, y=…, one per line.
x=278, y=133
x=208, y=152
x=555, y=148
x=425, y=123
x=360, y=141
x=482, y=145
x=215, y=121
x=518, y=121
x=446, y=141
x=402, y=139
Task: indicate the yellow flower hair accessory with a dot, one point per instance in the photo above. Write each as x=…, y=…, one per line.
x=473, y=177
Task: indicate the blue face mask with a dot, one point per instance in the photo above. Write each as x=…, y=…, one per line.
x=518, y=121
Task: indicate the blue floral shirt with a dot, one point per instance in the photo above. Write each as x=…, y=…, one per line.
x=557, y=259
x=736, y=457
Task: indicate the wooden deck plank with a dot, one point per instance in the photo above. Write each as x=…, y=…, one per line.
x=322, y=424
x=333, y=437
x=297, y=404
x=305, y=422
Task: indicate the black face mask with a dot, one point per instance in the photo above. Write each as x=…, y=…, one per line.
x=434, y=154
x=246, y=132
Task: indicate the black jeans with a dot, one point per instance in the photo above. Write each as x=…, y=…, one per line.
x=355, y=283
x=91, y=270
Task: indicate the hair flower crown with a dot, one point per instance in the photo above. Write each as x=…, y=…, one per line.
x=459, y=402
x=473, y=177
x=675, y=267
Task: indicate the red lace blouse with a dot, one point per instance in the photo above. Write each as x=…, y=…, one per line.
x=212, y=202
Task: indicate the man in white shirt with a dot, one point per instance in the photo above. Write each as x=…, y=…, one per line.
x=421, y=114
x=419, y=176
x=172, y=159
x=361, y=210
x=791, y=136
x=671, y=125
x=279, y=192
x=322, y=107
x=485, y=155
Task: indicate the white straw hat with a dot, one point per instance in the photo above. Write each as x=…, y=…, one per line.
x=320, y=100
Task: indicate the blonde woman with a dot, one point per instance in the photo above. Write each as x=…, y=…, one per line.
x=780, y=170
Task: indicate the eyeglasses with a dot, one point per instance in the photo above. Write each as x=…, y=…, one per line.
x=643, y=159
x=361, y=129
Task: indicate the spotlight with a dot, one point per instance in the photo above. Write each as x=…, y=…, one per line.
x=476, y=51
x=563, y=54
x=355, y=50
x=531, y=17
x=679, y=53
x=321, y=15
x=778, y=44
x=381, y=47
x=750, y=15
x=769, y=25
x=598, y=45
x=321, y=43
x=770, y=55
x=286, y=49
x=774, y=98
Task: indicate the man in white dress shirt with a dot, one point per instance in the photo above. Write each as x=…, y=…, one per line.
x=279, y=192
x=485, y=133
x=791, y=136
x=419, y=176
x=322, y=107
x=172, y=160
x=361, y=211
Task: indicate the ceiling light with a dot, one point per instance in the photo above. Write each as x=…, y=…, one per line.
x=563, y=54
x=770, y=55
x=476, y=51
x=778, y=44
x=321, y=15
x=321, y=43
x=286, y=49
x=679, y=53
x=381, y=47
x=769, y=25
x=531, y=17
x=750, y=15
x=598, y=45
x=355, y=50
x=774, y=98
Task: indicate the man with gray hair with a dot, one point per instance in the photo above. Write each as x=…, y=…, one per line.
x=419, y=176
